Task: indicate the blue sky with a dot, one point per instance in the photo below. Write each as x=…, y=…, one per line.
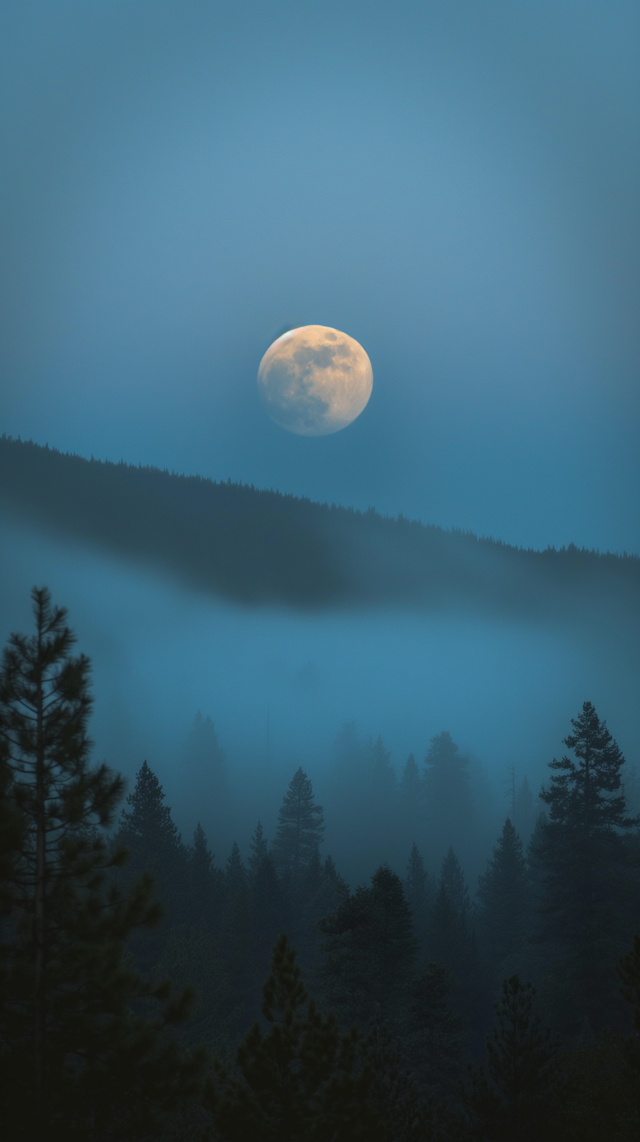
x=454, y=184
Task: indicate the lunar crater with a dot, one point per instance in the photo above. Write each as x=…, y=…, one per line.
x=315, y=380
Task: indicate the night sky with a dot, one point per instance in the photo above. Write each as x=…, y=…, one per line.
x=456, y=185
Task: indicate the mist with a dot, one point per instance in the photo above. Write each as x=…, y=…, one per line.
x=279, y=685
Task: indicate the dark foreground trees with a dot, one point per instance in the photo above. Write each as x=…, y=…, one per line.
x=298, y=1081
x=588, y=889
x=510, y=1100
x=75, y=1057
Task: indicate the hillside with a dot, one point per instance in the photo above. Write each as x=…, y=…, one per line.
x=261, y=547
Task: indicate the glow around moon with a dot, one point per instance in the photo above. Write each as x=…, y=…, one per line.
x=315, y=380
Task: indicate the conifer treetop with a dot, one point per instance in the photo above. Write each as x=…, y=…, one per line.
x=588, y=793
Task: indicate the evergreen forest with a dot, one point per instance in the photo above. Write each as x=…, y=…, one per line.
x=428, y=978
x=256, y=546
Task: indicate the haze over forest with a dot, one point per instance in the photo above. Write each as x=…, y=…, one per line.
x=365, y=703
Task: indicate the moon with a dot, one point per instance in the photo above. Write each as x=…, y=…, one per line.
x=315, y=380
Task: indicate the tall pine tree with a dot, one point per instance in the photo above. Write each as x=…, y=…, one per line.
x=299, y=829
x=586, y=879
x=69, y=1036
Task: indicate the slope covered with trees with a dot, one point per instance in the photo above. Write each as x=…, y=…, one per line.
x=261, y=547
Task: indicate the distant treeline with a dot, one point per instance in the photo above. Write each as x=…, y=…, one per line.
x=262, y=547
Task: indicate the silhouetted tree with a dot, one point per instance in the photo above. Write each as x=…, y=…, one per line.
x=447, y=792
x=206, y=883
x=582, y=852
x=451, y=939
x=268, y=913
x=296, y=1081
x=510, y=1100
x=154, y=844
x=74, y=1057
x=235, y=873
x=258, y=849
x=299, y=830
x=503, y=892
x=369, y=950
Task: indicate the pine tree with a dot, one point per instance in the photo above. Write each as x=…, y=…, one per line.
x=583, y=856
x=369, y=950
x=68, y=1033
x=447, y=792
x=154, y=844
x=299, y=830
x=259, y=849
x=411, y=801
x=503, y=892
x=235, y=873
x=298, y=1080
x=451, y=939
x=512, y=1103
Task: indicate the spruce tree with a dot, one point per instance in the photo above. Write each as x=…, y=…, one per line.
x=586, y=880
x=69, y=1036
x=411, y=801
x=503, y=892
x=299, y=830
x=298, y=1080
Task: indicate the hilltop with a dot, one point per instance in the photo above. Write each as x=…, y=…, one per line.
x=260, y=547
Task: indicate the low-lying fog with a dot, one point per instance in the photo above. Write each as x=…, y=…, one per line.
x=279, y=685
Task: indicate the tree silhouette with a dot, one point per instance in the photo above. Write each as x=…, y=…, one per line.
x=511, y=1103
x=69, y=1035
x=297, y=1081
x=299, y=829
x=503, y=892
x=369, y=950
x=582, y=853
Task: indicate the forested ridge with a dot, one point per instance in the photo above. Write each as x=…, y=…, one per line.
x=149, y=990
x=262, y=547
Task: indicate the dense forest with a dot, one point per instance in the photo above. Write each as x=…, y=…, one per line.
x=150, y=991
x=260, y=546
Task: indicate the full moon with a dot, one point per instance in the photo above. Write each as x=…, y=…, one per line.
x=315, y=380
